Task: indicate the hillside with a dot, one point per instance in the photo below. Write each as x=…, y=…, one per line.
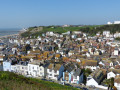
x=90, y=29
x=11, y=81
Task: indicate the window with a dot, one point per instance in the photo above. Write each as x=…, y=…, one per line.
x=75, y=77
x=50, y=70
x=29, y=68
x=40, y=69
x=88, y=78
x=55, y=71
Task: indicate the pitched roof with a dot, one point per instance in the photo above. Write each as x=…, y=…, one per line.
x=91, y=63
x=69, y=67
x=54, y=67
x=35, y=62
x=115, y=71
x=77, y=72
x=98, y=75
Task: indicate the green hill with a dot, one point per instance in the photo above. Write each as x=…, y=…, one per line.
x=90, y=29
x=11, y=81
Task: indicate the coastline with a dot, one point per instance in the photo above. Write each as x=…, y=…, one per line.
x=17, y=34
x=6, y=36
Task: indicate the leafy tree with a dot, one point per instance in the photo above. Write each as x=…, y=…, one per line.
x=109, y=82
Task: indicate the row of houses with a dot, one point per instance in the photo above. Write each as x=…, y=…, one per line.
x=68, y=73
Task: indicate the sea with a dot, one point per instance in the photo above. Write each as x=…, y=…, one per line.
x=9, y=31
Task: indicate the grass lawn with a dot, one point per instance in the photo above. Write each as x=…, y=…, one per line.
x=11, y=81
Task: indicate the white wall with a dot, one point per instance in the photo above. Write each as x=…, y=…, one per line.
x=110, y=75
x=33, y=70
x=52, y=74
x=92, y=82
x=6, y=66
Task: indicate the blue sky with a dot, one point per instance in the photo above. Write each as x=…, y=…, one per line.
x=25, y=13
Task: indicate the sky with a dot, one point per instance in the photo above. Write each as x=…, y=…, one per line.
x=27, y=13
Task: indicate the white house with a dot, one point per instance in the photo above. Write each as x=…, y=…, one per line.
x=13, y=68
x=116, y=22
x=91, y=81
x=49, y=33
x=106, y=33
x=91, y=65
x=95, y=79
x=109, y=23
x=116, y=51
x=110, y=75
x=70, y=53
x=43, y=69
x=77, y=32
x=33, y=68
x=7, y=66
x=93, y=68
x=14, y=49
x=117, y=35
x=88, y=54
x=74, y=36
x=37, y=68
x=53, y=71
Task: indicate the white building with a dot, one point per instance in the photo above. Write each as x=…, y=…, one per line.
x=20, y=69
x=116, y=22
x=106, y=33
x=117, y=35
x=7, y=66
x=37, y=68
x=110, y=75
x=77, y=32
x=49, y=33
x=70, y=53
x=109, y=23
x=33, y=68
x=116, y=51
x=53, y=71
x=91, y=81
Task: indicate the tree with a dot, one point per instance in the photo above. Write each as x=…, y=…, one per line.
x=109, y=82
x=88, y=72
